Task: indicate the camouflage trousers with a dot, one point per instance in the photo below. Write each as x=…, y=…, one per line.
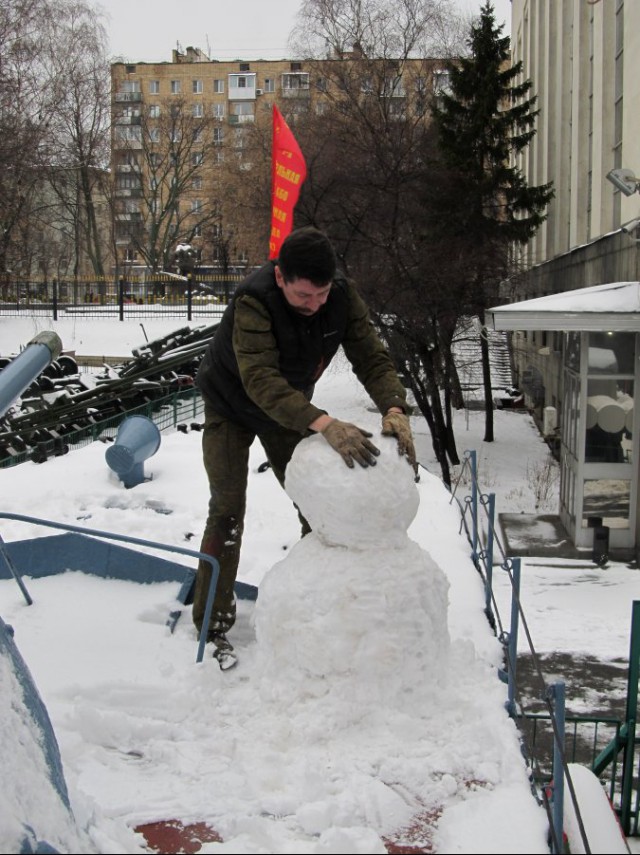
x=225, y=451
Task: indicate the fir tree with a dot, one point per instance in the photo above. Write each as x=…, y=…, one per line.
x=484, y=119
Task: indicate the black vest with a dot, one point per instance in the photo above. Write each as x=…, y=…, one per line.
x=306, y=345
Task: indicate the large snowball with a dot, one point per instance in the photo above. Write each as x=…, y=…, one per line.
x=357, y=611
x=352, y=507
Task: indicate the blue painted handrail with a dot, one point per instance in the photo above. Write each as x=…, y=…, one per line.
x=138, y=541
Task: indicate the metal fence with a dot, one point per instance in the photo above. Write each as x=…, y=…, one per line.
x=167, y=413
x=551, y=739
x=199, y=295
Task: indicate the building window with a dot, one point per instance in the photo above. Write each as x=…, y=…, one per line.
x=154, y=135
x=243, y=109
x=128, y=181
x=176, y=135
x=196, y=205
x=218, y=136
x=128, y=114
x=321, y=84
x=128, y=133
x=197, y=182
x=218, y=86
x=218, y=111
x=393, y=87
x=176, y=87
x=242, y=86
x=366, y=87
x=197, y=135
x=154, y=87
x=196, y=87
x=296, y=66
x=155, y=159
x=130, y=86
x=154, y=111
x=244, y=66
x=441, y=82
x=269, y=84
x=197, y=231
x=197, y=158
x=295, y=81
x=197, y=111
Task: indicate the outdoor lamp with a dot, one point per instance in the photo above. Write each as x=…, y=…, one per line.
x=624, y=179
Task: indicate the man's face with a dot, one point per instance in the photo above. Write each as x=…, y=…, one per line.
x=302, y=295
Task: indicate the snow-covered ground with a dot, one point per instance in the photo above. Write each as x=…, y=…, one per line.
x=365, y=709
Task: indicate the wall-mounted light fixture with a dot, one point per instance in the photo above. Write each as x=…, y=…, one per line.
x=632, y=228
x=625, y=180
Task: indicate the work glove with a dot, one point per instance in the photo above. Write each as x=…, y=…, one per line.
x=397, y=424
x=351, y=443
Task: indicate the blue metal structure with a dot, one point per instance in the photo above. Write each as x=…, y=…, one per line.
x=480, y=531
x=20, y=373
x=137, y=439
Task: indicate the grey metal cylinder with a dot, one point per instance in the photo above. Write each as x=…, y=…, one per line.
x=44, y=348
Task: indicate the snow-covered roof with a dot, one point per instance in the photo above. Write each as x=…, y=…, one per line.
x=614, y=306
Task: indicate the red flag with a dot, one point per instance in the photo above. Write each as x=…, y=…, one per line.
x=288, y=171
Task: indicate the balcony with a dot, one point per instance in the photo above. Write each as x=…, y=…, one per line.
x=128, y=97
x=128, y=120
x=127, y=144
x=242, y=120
x=296, y=92
x=242, y=87
x=295, y=84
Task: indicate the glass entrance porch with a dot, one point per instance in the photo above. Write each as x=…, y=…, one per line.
x=599, y=451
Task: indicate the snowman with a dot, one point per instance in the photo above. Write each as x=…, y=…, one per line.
x=357, y=610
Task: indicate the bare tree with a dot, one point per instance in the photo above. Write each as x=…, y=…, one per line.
x=28, y=98
x=78, y=167
x=373, y=185
x=331, y=28
x=171, y=192
x=48, y=142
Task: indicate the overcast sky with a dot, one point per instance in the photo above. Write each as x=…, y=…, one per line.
x=249, y=28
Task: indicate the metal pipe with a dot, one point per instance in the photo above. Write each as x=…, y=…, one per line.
x=20, y=373
x=557, y=695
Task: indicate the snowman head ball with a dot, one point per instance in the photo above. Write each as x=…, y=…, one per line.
x=356, y=508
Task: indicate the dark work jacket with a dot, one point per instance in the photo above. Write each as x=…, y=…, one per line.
x=262, y=364
x=306, y=345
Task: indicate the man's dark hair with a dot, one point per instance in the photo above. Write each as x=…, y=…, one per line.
x=307, y=254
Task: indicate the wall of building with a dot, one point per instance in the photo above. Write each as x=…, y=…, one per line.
x=582, y=59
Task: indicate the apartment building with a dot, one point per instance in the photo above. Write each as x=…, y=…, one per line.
x=217, y=99
x=210, y=108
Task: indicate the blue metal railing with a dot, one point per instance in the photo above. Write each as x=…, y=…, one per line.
x=124, y=538
x=478, y=520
